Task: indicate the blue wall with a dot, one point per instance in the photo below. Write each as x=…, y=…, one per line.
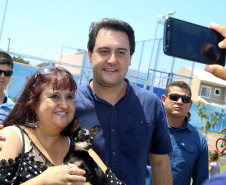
x=196, y=120
x=21, y=73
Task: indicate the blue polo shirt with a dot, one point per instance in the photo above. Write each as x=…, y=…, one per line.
x=135, y=126
x=217, y=180
x=190, y=155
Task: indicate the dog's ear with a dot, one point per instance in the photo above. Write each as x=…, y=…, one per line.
x=76, y=123
x=76, y=128
x=94, y=130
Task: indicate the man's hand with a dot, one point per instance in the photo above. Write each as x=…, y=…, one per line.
x=2, y=137
x=217, y=70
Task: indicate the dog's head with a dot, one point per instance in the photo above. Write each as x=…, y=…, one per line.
x=84, y=138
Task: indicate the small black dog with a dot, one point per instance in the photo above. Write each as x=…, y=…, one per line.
x=79, y=155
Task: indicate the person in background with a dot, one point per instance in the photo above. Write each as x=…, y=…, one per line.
x=214, y=167
x=133, y=121
x=6, y=71
x=224, y=147
x=220, y=72
x=189, y=158
x=188, y=115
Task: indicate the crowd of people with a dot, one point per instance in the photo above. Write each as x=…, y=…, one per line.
x=136, y=127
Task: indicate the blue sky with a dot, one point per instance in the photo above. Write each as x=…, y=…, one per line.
x=41, y=27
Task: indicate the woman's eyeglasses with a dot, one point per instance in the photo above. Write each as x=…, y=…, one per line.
x=175, y=97
x=42, y=71
x=49, y=69
x=6, y=73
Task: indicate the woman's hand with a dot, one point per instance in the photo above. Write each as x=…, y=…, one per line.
x=60, y=175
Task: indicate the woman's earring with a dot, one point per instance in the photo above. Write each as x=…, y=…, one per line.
x=32, y=125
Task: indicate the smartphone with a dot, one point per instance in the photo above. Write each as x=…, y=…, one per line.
x=192, y=42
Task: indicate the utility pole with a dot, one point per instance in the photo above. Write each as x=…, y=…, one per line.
x=3, y=20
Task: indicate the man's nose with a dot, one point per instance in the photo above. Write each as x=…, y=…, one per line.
x=112, y=59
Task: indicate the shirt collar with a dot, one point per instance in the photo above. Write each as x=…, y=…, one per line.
x=92, y=93
x=186, y=125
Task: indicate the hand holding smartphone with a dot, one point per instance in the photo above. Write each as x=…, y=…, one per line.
x=192, y=42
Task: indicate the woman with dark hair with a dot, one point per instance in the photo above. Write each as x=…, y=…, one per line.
x=38, y=130
x=39, y=133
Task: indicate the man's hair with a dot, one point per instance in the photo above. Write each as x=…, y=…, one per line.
x=114, y=25
x=5, y=58
x=180, y=84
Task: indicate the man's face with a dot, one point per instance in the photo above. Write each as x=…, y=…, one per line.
x=4, y=80
x=176, y=108
x=110, y=58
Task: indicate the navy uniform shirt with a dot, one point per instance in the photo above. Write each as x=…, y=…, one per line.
x=135, y=126
x=190, y=155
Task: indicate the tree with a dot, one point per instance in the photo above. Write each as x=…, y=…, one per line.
x=210, y=118
x=20, y=60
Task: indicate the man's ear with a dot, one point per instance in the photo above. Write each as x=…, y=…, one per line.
x=130, y=60
x=191, y=104
x=90, y=56
x=163, y=99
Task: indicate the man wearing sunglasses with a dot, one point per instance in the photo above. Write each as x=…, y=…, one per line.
x=6, y=71
x=189, y=158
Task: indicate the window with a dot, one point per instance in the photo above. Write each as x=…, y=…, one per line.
x=217, y=92
x=205, y=91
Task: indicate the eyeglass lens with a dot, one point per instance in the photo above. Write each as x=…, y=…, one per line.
x=49, y=69
x=6, y=73
x=175, y=97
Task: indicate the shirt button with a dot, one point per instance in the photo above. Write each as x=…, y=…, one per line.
x=114, y=108
x=141, y=122
x=113, y=130
x=113, y=153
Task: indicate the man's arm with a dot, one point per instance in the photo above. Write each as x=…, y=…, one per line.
x=160, y=169
x=222, y=130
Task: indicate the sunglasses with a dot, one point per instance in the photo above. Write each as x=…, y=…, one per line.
x=6, y=73
x=175, y=97
x=49, y=69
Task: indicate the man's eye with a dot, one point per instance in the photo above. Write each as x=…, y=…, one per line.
x=121, y=52
x=103, y=51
